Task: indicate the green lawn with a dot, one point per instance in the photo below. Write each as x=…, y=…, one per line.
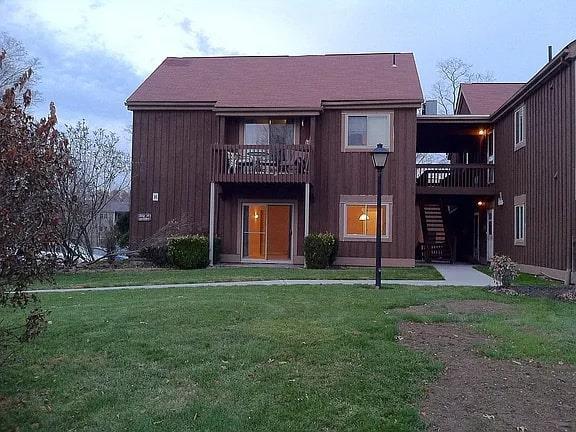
x=223, y=274
x=524, y=279
x=306, y=358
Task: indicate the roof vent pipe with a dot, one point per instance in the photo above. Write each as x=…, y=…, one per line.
x=549, y=53
x=394, y=60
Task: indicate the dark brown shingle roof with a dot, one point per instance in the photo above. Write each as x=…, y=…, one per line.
x=287, y=82
x=486, y=98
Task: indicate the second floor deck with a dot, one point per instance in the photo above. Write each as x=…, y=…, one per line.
x=262, y=163
x=455, y=179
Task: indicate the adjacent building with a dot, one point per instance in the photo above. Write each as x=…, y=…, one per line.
x=261, y=151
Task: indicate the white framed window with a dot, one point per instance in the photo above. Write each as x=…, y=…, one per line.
x=362, y=131
x=520, y=220
x=358, y=218
x=269, y=132
x=520, y=127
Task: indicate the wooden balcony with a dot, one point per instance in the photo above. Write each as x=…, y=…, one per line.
x=262, y=163
x=455, y=179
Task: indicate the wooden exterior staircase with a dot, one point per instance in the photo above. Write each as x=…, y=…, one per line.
x=436, y=246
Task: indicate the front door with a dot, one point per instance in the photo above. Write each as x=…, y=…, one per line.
x=266, y=232
x=489, y=234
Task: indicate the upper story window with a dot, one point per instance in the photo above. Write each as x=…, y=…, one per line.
x=520, y=127
x=269, y=132
x=362, y=131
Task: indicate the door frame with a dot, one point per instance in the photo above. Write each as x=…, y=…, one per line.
x=490, y=158
x=476, y=237
x=489, y=238
x=293, y=226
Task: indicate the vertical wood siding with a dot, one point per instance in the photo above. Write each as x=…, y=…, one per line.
x=543, y=170
x=171, y=155
x=337, y=173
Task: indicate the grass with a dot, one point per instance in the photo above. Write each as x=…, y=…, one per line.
x=524, y=279
x=84, y=279
x=248, y=358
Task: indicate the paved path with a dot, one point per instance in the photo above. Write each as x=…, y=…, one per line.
x=463, y=274
x=454, y=274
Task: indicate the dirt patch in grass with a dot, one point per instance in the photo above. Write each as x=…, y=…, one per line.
x=476, y=393
x=458, y=307
x=561, y=292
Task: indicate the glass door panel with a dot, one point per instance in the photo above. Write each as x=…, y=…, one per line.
x=254, y=235
x=279, y=232
x=267, y=232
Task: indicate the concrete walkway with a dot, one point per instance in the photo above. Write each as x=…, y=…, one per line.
x=454, y=275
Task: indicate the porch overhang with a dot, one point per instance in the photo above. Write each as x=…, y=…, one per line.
x=450, y=134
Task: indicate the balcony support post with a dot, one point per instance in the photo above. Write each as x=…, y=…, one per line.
x=306, y=210
x=212, y=222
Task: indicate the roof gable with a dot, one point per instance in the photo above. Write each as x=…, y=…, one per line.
x=288, y=82
x=484, y=98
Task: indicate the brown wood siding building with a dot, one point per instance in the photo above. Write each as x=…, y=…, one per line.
x=544, y=171
x=172, y=153
x=190, y=142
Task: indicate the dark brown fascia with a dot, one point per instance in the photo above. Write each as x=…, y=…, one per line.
x=137, y=106
x=459, y=98
x=262, y=111
x=453, y=118
x=266, y=111
x=371, y=104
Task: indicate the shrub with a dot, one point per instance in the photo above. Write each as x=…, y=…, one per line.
x=157, y=254
x=189, y=252
x=320, y=250
x=504, y=270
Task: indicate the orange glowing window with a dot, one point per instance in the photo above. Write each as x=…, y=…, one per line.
x=361, y=220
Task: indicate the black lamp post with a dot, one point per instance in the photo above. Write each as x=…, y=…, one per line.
x=379, y=158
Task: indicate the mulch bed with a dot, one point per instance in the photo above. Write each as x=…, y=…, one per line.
x=561, y=292
x=476, y=393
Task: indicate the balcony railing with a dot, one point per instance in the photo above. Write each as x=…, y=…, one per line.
x=454, y=178
x=262, y=163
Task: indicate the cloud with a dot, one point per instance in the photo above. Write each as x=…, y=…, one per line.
x=140, y=33
x=186, y=26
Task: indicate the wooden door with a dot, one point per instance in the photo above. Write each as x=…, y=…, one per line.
x=279, y=232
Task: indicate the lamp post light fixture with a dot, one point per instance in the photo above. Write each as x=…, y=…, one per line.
x=379, y=158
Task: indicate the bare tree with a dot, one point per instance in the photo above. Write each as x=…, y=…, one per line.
x=18, y=61
x=33, y=157
x=101, y=172
x=431, y=158
x=453, y=72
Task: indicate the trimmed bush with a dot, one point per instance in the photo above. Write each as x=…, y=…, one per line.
x=189, y=252
x=504, y=270
x=157, y=254
x=320, y=250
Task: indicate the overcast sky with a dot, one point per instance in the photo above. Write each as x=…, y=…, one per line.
x=96, y=52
